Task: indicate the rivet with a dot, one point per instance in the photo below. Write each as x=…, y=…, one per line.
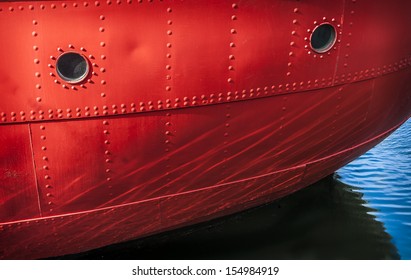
x=169, y=10
x=293, y=32
x=295, y=10
x=38, y=86
x=34, y=34
x=295, y=21
x=234, y=6
x=230, y=80
x=60, y=49
x=231, y=68
x=169, y=32
x=85, y=4
x=168, y=67
x=292, y=43
x=169, y=45
x=168, y=88
x=107, y=160
x=106, y=152
x=35, y=48
x=231, y=57
x=233, y=31
x=47, y=177
x=234, y=17
x=103, y=82
x=64, y=5
x=45, y=158
x=102, y=44
x=36, y=61
x=102, y=70
x=53, y=6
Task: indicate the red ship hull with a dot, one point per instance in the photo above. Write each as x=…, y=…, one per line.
x=190, y=111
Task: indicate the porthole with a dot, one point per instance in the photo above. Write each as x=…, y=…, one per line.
x=323, y=38
x=72, y=67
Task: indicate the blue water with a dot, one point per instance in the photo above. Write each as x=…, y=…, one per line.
x=383, y=176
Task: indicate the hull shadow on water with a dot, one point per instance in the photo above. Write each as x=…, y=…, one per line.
x=327, y=220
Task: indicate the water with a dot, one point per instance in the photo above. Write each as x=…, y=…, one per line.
x=361, y=212
x=383, y=176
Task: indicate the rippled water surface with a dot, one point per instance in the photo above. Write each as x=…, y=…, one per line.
x=383, y=176
x=361, y=212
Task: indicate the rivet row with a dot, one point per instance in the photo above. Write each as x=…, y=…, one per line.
x=85, y=4
x=213, y=98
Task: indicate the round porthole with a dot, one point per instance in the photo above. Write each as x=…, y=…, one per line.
x=323, y=38
x=72, y=67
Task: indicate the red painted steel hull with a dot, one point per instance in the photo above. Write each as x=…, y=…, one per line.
x=193, y=111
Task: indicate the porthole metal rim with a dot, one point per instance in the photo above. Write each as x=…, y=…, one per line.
x=331, y=44
x=82, y=77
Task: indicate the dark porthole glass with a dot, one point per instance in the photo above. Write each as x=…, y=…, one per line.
x=323, y=38
x=72, y=67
